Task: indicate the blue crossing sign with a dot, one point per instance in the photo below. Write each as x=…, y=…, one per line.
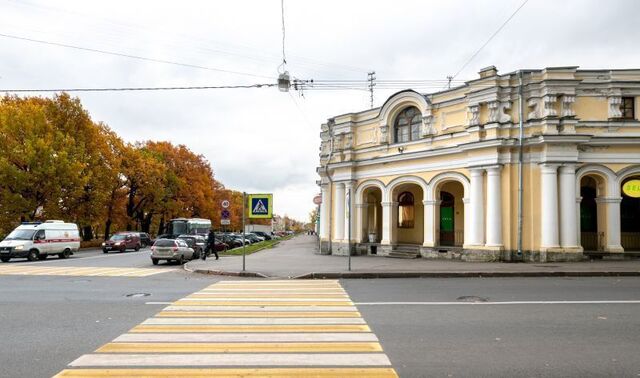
x=260, y=206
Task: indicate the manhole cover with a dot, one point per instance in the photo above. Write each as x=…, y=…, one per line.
x=136, y=295
x=472, y=298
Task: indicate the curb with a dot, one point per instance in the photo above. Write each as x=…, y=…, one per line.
x=360, y=275
x=222, y=272
x=316, y=275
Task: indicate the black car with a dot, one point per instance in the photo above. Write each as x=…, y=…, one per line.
x=231, y=241
x=145, y=239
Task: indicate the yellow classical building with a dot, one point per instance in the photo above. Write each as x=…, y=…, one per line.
x=437, y=175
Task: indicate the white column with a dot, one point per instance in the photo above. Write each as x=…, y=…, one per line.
x=338, y=216
x=476, y=220
x=324, y=213
x=549, y=202
x=429, y=219
x=387, y=219
x=467, y=222
x=494, y=207
x=568, y=220
x=349, y=216
x=613, y=223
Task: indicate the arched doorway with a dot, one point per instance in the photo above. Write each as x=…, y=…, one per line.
x=409, y=214
x=450, y=214
x=630, y=215
x=371, y=215
x=591, y=219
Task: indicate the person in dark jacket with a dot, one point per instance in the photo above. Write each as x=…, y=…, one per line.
x=211, y=243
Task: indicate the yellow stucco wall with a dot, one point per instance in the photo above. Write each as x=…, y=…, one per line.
x=450, y=121
x=591, y=108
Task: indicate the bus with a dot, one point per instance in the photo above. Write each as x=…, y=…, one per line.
x=187, y=226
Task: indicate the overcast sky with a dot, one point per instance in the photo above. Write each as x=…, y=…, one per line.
x=262, y=140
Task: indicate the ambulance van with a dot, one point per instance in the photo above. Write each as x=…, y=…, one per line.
x=37, y=240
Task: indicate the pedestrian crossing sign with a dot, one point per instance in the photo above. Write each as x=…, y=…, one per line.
x=261, y=206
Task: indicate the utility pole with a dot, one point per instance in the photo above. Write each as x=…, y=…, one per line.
x=349, y=230
x=449, y=79
x=371, y=79
x=244, y=249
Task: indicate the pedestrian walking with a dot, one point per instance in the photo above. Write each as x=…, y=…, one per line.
x=211, y=243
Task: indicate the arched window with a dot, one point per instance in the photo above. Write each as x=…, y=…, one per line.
x=407, y=125
x=405, y=210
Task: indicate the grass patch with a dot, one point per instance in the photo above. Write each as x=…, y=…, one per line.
x=249, y=249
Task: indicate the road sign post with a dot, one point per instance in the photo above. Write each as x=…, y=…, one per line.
x=244, y=206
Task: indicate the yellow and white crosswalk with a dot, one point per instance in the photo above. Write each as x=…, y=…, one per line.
x=246, y=329
x=30, y=270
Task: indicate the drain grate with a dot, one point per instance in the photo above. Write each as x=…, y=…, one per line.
x=472, y=298
x=137, y=295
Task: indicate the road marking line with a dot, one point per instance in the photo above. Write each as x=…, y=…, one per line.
x=234, y=373
x=253, y=295
x=79, y=271
x=258, y=314
x=275, y=290
x=334, y=328
x=277, y=286
x=257, y=308
x=249, y=321
x=243, y=282
x=335, y=347
x=258, y=303
x=244, y=337
x=236, y=359
x=236, y=299
x=310, y=328
x=632, y=301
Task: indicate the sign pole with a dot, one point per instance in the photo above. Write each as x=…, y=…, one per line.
x=244, y=205
x=349, y=231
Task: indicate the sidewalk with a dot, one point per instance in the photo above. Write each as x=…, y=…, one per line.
x=296, y=258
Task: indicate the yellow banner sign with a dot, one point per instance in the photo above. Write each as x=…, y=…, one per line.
x=632, y=188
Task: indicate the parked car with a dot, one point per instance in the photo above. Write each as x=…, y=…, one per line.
x=121, y=241
x=145, y=239
x=263, y=234
x=231, y=241
x=220, y=245
x=238, y=237
x=253, y=238
x=171, y=250
x=37, y=240
x=196, y=242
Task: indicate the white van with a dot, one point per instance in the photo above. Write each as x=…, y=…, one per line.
x=37, y=240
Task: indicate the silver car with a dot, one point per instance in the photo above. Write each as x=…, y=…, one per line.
x=171, y=250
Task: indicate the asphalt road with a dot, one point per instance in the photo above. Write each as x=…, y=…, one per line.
x=427, y=327
x=437, y=338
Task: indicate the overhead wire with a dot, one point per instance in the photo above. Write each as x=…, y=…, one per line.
x=89, y=49
x=253, y=53
x=489, y=40
x=137, y=89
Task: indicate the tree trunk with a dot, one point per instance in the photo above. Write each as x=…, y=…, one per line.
x=146, y=222
x=107, y=229
x=87, y=233
x=161, y=226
